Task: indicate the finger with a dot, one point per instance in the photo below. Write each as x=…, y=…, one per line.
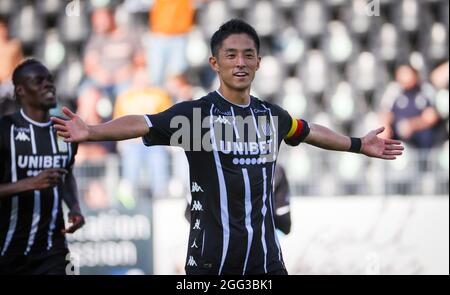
x=379, y=130
x=394, y=147
x=58, y=121
x=388, y=157
x=60, y=128
x=63, y=134
x=68, y=112
x=392, y=153
x=392, y=141
x=57, y=171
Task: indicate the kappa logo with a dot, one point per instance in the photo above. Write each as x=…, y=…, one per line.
x=197, y=206
x=22, y=136
x=194, y=244
x=222, y=120
x=191, y=261
x=197, y=224
x=196, y=188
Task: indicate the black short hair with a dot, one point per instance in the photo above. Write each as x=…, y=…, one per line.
x=3, y=20
x=19, y=71
x=234, y=26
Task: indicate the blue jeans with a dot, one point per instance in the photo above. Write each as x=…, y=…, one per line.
x=166, y=56
x=153, y=162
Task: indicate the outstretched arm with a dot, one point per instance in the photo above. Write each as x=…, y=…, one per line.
x=75, y=130
x=371, y=144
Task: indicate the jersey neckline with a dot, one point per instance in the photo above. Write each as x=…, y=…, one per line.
x=46, y=124
x=238, y=105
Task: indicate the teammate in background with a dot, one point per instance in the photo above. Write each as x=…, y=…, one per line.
x=231, y=140
x=35, y=176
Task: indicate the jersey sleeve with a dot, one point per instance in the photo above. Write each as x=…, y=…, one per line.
x=163, y=125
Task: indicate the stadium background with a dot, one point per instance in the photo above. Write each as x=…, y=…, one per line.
x=329, y=62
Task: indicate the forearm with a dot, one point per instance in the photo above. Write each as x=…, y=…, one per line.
x=70, y=193
x=126, y=127
x=325, y=138
x=427, y=120
x=10, y=189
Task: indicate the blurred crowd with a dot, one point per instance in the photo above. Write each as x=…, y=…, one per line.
x=327, y=61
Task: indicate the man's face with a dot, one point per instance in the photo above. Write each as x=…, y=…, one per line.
x=406, y=77
x=236, y=62
x=36, y=88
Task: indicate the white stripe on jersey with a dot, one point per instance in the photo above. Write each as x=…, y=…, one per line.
x=264, y=211
x=33, y=140
x=35, y=222
x=53, y=222
x=248, y=216
x=234, y=124
x=149, y=123
x=203, y=243
x=55, y=200
x=15, y=200
x=275, y=141
x=52, y=139
x=223, y=193
x=273, y=212
x=36, y=203
x=256, y=125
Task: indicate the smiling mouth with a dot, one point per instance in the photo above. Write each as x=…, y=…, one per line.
x=240, y=75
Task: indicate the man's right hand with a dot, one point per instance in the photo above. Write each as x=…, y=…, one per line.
x=72, y=130
x=45, y=179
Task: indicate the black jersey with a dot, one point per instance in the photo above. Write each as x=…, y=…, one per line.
x=31, y=222
x=232, y=153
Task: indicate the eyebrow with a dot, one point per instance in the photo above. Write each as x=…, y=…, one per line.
x=245, y=50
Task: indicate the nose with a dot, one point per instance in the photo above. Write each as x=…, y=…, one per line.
x=240, y=62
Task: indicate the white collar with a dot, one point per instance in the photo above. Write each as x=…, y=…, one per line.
x=239, y=105
x=34, y=122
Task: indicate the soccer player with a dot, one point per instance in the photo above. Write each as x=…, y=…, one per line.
x=35, y=176
x=231, y=140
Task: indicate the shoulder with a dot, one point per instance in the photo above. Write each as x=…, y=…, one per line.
x=7, y=120
x=274, y=108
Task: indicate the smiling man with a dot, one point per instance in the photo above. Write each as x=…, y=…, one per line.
x=35, y=175
x=232, y=174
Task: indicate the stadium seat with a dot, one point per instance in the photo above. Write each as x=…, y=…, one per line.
x=27, y=25
x=265, y=18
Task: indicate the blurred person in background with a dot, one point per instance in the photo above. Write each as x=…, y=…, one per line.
x=170, y=22
x=11, y=55
x=35, y=176
x=408, y=114
x=112, y=55
x=136, y=158
x=439, y=76
x=232, y=229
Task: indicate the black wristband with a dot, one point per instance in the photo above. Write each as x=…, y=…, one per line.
x=355, y=146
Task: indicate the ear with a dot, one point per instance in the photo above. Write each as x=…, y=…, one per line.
x=19, y=90
x=258, y=63
x=214, y=64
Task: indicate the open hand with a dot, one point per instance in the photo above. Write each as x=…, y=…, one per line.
x=377, y=147
x=72, y=130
